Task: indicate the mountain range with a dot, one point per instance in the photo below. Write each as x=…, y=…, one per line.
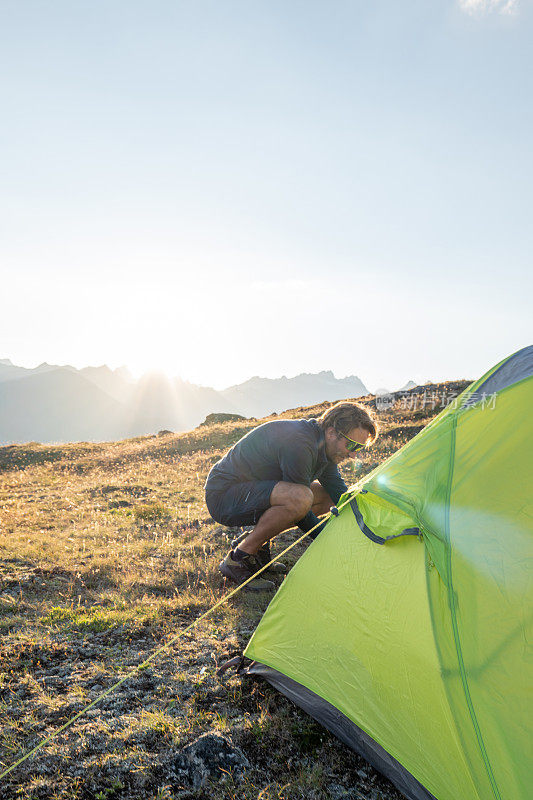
x=51, y=403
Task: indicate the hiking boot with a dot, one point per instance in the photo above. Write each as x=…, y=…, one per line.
x=240, y=571
x=263, y=555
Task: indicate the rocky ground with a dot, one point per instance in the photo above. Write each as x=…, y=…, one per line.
x=106, y=553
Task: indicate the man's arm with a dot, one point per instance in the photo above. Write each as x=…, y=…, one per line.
x=296, y=461
x=334, y=485
x=332, y=482
x=297, y=464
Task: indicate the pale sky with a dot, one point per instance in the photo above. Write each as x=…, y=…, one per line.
x=228, y=189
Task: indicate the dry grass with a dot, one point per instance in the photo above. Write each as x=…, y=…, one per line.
x=106, y=551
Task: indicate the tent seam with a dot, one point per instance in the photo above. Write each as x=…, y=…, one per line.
x=451, y=600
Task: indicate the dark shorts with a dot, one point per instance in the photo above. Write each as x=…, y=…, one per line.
x=238, y=503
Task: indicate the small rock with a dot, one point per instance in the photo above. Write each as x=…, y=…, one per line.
x=210, y=756
x=336, y=791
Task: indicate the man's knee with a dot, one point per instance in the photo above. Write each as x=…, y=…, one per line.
x=297, y=499
x=302, y=500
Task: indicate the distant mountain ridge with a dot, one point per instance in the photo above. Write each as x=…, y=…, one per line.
x=51, y=403
x=261, y=396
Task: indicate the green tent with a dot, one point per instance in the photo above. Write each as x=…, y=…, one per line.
x=404, y=627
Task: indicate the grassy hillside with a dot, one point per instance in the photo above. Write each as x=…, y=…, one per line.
x=106, y=551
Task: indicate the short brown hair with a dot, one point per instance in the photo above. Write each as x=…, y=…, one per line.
x=345, y=416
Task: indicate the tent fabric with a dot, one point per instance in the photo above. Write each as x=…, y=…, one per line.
x=423, y=642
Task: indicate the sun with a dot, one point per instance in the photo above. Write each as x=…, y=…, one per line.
x=139, y=367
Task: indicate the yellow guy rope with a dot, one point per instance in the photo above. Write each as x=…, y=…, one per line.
x=165, y=646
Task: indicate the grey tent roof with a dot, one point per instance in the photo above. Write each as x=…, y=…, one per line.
x=516, y=368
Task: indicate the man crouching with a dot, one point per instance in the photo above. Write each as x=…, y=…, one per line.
x=282, y=473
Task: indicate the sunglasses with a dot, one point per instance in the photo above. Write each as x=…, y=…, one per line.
x=352, y=447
